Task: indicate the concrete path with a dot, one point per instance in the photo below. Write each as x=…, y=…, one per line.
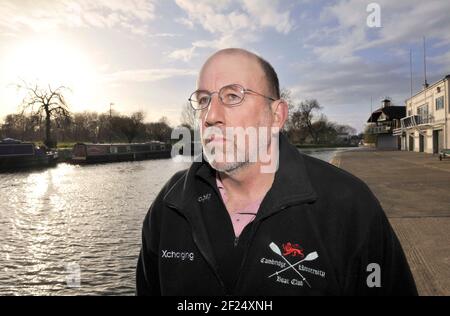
x=414, y=190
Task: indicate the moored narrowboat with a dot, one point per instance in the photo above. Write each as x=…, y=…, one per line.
x=100, y=153
x=15, y=154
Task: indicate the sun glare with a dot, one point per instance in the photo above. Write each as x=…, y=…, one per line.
x=54, y=62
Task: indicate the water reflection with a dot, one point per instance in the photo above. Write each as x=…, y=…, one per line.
x=90, y=216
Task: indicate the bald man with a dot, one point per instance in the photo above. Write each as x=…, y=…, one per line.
x=260, y=218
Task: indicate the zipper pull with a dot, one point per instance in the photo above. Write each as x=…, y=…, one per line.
x=236, y=241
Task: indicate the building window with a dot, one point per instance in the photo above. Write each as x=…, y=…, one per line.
x=409, y=112
x=438, y=89
x=440, y=103
x=422, y=112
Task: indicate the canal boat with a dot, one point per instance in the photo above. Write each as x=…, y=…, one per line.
x=15, y=154
x=99, y=153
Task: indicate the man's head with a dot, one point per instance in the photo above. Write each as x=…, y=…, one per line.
x=261, y=107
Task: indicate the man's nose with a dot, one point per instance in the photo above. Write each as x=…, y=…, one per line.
x=215, y=112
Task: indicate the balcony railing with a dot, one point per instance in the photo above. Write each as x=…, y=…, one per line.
x=413, y=121
x=381, y=129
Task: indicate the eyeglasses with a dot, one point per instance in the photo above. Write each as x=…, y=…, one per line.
x=231, y=95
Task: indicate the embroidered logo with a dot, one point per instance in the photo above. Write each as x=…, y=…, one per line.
x=180, y=255
x=286, y=266
x=292, y=250
x=204, y=197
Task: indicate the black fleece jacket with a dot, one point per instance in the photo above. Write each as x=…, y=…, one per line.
x=319, y=231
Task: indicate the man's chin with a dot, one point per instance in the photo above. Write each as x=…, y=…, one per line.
x=227, y=167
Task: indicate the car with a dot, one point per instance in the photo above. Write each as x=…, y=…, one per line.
x=445, y=153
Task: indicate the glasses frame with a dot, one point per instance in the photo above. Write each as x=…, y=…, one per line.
x=243, y=90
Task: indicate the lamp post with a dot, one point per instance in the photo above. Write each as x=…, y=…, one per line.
x=110, y=121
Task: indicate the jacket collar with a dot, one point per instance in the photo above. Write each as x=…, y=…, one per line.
x=291, y=185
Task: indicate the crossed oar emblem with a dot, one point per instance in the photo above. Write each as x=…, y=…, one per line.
x=310, y=257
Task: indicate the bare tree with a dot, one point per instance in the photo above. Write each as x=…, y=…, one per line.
x=188, y=118
x=48, y=103
x=286, y=95
x=345, y=129
x=307, y=109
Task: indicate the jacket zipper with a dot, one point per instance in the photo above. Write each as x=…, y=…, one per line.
x=222, y=285
x=244, y=259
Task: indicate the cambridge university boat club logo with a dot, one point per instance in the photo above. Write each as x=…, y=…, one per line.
x=287, y=267
x=292, y=250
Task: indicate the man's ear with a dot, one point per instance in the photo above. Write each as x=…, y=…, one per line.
x=280, y=113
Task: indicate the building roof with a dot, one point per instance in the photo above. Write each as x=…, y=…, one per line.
x=392, y=112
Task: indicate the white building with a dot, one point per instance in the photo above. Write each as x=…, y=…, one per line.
x=426, y=127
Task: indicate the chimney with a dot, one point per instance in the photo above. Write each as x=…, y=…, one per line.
x=385, y=103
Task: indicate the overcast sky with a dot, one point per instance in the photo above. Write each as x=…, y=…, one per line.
x=145, y=54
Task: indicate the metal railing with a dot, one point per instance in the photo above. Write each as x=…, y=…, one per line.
x=416, y=122
x=379, y=129
x=382, y=128
x=413, y=121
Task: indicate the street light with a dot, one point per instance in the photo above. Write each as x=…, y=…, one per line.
x=110, y=118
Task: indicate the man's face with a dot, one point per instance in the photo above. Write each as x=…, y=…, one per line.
x=225, y=153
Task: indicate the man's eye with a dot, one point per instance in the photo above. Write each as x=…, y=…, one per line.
x=203, y=100
x=232, y=97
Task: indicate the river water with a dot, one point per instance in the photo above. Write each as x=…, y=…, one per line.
x=75, y=230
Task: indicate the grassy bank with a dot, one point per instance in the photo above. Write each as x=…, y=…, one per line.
x=66, y=145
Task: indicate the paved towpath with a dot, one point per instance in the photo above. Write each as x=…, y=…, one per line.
x=414, y=190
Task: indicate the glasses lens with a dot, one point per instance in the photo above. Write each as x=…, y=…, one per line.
x=200, y=99
x=232, y=94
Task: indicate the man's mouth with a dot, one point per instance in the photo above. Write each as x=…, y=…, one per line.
x=215, y=138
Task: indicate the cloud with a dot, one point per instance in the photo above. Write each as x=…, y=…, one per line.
x=184, y=54
x=335, y=83
x=164, y=35
x=147, y=75
x=213, y=15
x=229, y=40
x=230, y=16
x=48, y=15
x=235, y=23
x=342, y=31
x=185, y=22
x=267, y=15
x=345, y=62
x=441, y=60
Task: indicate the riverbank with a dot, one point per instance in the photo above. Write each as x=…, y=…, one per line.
x=413, y=189
x=326, y=154
x=300, y=146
